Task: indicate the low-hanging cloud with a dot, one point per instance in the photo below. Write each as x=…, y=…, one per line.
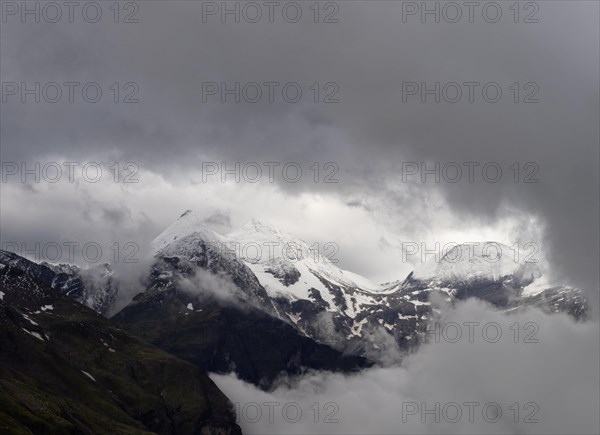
x=542, y=378
x=206, y=285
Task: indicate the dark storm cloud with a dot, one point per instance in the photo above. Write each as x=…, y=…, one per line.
x=368, y=133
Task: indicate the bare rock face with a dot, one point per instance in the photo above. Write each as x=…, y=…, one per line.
x=95, y=288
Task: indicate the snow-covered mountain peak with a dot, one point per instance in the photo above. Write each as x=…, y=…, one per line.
x=477, y=260
x=255, y=228
x=260, y=226
x=264, y=243
x=289, y=266
x=188, y=226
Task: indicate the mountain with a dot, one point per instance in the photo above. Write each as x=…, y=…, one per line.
x=497, y=274
x=263, y=304
x=263, y=272
x=190, y=240
x=95, y=287
x=350, y=312
x=64, y=369
x=206, y=306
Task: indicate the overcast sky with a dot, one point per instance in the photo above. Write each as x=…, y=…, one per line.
x=175, y=60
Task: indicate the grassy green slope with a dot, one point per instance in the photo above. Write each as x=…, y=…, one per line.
x=136, y=387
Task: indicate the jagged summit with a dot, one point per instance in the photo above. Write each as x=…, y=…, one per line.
x=256, y=228
x=189, y=223
x=186, y=228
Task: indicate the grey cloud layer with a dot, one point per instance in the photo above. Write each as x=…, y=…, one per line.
x=369, y=133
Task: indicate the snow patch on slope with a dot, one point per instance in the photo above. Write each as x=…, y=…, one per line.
x=270, y=245
x=88, y=375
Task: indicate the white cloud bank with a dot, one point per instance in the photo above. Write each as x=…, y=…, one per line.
x=554, y=381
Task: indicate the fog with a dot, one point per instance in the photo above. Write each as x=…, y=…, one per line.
x=549, y=368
